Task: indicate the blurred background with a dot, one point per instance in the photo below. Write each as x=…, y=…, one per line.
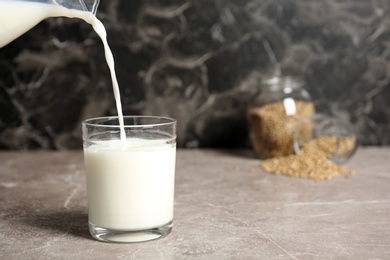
x=198, y=61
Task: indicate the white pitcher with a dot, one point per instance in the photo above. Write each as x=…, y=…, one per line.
x=19, y=16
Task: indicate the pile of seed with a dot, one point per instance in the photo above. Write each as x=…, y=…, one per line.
x=311, y=163
x=272, y=129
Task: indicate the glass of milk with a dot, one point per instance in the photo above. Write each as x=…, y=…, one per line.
x=130, y=181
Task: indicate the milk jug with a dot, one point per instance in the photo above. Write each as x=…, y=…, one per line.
x=19, y=16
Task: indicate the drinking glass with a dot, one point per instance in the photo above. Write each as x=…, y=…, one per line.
x=130, y=182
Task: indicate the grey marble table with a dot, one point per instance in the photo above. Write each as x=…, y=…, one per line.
x=226, y=207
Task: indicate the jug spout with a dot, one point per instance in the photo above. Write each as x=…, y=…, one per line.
x=82, y=5
x=19, y=16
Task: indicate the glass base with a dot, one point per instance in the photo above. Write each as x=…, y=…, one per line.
x=129, y=236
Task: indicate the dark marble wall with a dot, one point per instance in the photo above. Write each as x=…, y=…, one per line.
x=198, y=61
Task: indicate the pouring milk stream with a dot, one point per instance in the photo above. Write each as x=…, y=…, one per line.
x=17, y=17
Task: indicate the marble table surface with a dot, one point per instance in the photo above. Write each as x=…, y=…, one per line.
x=226, y=207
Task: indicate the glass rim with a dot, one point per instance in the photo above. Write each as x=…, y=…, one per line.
x=166, y=121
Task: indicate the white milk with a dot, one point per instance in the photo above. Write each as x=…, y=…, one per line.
x=17, y=17
x=131, y=189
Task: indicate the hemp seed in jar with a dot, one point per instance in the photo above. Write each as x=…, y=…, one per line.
x=274, y=114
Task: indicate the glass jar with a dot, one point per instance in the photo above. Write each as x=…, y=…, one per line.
x=329, y=136
x=274, y=114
